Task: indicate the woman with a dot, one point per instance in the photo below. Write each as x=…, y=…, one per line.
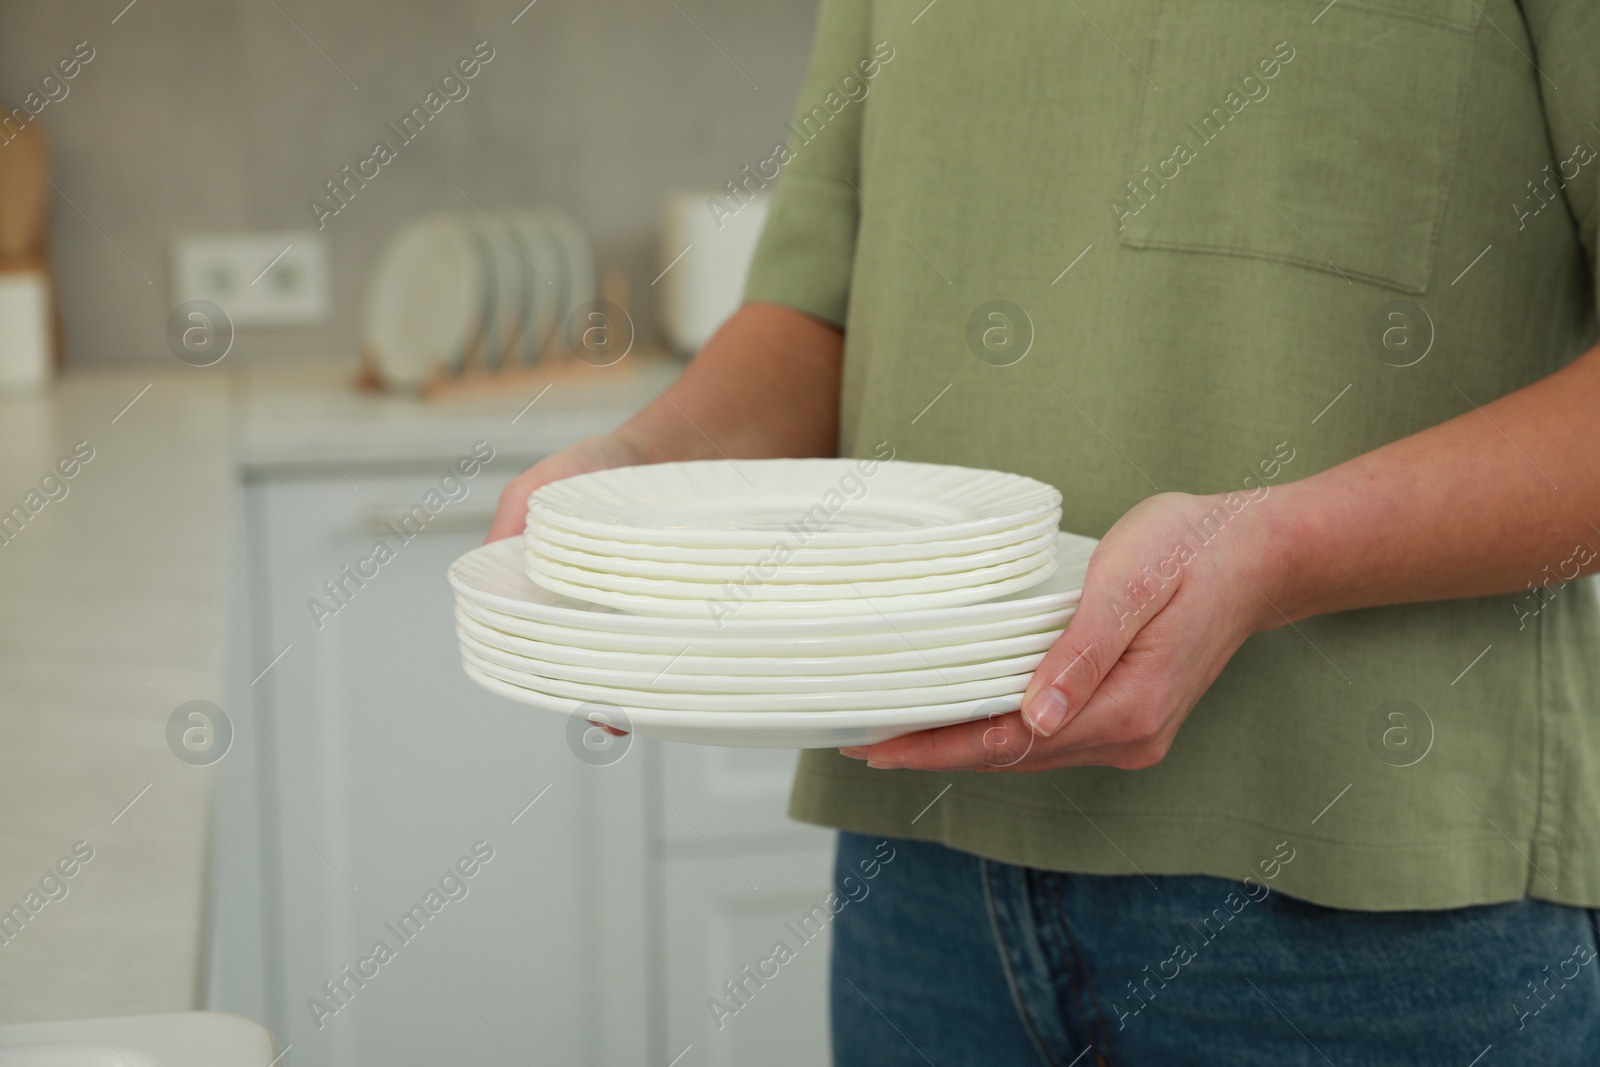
x=1296, y=308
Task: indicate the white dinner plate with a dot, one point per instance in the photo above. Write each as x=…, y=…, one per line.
x=508, y=291
x=759, y=729
x=807, y=555
x=830, y=700
x=492, y=576
x=576, y=257
x=830, y=503
x=623, y=672
x=545, y=276
x=942, y=645
x=771, y=657
x=719, y=609
x=792, y=572
x=759, y=589
x=425, y=302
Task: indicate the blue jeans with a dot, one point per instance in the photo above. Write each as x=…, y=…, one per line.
x=949, y=959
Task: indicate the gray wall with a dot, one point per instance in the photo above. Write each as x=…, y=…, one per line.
x=200, y=116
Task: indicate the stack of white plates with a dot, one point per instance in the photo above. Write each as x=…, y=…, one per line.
x=450, y=291
x=775, y=603
x=791, y=538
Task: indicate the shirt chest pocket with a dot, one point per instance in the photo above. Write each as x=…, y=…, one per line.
x=1327, y=144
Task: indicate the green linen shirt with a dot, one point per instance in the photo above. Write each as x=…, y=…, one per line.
x=1231, y=240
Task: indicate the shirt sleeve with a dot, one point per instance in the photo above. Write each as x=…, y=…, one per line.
x=1566, y=40
x=807, y=247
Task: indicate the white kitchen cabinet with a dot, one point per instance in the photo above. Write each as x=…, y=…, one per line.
x=733, y=795
x=735, y=872
x=385, y=767
x=369, y=765
x=724, y=912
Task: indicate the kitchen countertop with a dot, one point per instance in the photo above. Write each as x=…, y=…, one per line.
x=307, y=417
x=116, y=611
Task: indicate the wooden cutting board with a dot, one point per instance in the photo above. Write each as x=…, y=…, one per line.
x=24, y=199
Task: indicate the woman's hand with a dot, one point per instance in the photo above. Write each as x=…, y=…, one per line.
x=601, y=452
x=766, y=384
x=1172, y=591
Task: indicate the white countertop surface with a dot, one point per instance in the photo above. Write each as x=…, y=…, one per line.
x=115, y=612
x=307, y=415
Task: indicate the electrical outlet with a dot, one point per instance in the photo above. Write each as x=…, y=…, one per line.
x=278, y=279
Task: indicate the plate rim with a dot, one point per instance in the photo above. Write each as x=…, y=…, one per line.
x=728, y=684
x=635, y=567
x=1020, y=627
x=795, y=702
x=689, y=608
x=1048, y=501
x=588, y=616
x=869, y=588
x=754, y=721
x=915, y=658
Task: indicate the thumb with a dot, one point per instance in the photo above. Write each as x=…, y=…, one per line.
x=1122, y=591
x=511, y=513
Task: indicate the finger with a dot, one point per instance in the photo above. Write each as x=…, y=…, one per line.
x=1000, y=740
x=1126, y=725
x=1118, y=757
x=1127, y=708
x=999, y=743
x=943, y=747
x=1130, y=720
x=1121, y=593
x=511, y=513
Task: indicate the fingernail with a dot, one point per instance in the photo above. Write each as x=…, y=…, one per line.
x=882, y=766
x=1047, y=711
x=854, y=752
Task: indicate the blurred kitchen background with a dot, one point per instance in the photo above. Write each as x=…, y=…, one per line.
x=214, y=118
x=249, y=794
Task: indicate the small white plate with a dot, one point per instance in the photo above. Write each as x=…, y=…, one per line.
x=719, y=609
x=492, y=576
x=426, y=301
x=830, y=503
x=715, y=657
x=950, y=644
x=792, y=572
x=623, y=671
x=809, y=555
x=758, y=590
x=758, y=729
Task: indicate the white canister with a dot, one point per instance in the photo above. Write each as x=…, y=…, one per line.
x=25, y=330
x=707, y=241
